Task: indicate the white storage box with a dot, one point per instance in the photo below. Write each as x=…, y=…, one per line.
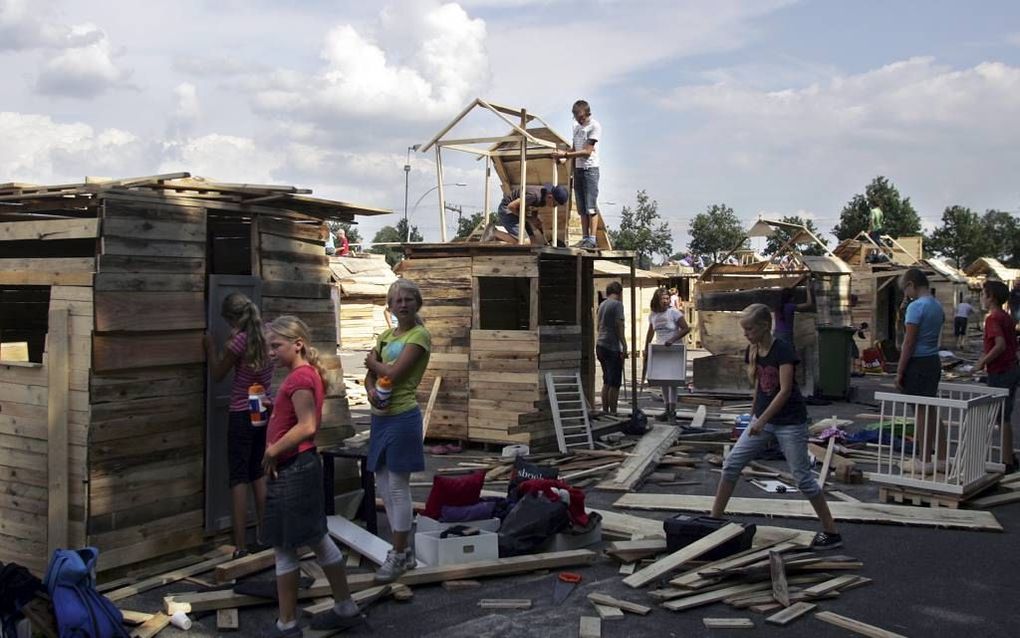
x=426, y=524
x=453, y=550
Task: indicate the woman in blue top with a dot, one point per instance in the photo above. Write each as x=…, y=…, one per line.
x=920, y=370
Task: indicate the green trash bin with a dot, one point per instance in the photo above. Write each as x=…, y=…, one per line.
x=835, y=345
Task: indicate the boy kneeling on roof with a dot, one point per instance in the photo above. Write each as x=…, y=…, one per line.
x=535, y=197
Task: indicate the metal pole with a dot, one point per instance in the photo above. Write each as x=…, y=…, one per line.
x=407, y=175
x=442, y=195
x=522, y=207
x=633, y=338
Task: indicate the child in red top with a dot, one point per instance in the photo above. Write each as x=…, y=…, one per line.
x=1000, y=358
x=295, y=513
x=246, y=354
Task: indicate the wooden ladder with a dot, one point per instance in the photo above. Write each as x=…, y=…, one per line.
x=570, y=411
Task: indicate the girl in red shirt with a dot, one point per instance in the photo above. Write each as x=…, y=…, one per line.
x=295, y=514
x=1000, y=358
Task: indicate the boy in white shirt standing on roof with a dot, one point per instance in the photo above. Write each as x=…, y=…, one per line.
x=587, y=133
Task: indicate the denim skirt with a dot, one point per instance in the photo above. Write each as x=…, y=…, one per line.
x=295, y=511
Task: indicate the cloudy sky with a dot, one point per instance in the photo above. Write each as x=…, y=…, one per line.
x=771, y=106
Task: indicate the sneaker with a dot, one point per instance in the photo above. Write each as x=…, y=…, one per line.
x=292, y=632
x=410, y=560
x=329, y=619
x=239, y=553
x=825, y=540
x=392, y=568
x=662, y=418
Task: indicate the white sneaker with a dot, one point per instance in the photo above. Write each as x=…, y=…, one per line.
x=392, y=568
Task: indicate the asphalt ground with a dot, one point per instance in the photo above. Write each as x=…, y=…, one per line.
x=926, y=582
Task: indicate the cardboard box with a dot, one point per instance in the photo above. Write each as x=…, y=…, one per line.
x=426, y=524
x=433, y=550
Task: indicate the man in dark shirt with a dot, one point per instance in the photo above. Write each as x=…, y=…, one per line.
x=535, y=197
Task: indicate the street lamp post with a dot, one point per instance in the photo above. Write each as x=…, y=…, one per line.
x=407, y=175
x=423, y=196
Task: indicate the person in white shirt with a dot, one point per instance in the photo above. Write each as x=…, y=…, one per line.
x=666, y=327
x=963, y=312
x=587, y=133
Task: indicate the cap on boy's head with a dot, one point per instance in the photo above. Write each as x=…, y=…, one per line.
x=559, y=193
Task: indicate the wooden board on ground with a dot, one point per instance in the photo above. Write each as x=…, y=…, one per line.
x=238, y=567
x=643, y=458
x=170, y=577
x=684, y=555
x=590, y=627
x=608, y=613
x=856, y=626
x=205, y=601
x=855, y=512
x=791, y=613
x=505, y=603
x=777, y=570
x=625, y=605
x=628, y=525
x=728, y=623
x=995, y=500
x=152, y=626
x=357, y=538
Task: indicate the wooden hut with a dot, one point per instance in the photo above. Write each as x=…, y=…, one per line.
x=501, y=316
x=361, y=286
x=110, y=433
x=985, y=268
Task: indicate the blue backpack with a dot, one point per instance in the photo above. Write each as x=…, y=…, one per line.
x=80, y=610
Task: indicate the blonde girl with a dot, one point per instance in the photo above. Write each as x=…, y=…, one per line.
x=780, y=415
x=395, y=450
x=295, y=512
x=245, y=353
x=666, y=327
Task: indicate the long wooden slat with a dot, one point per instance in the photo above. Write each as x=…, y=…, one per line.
x=857, y=512
x=149, y=311
x=119, y=352
x=204, y=601
x=643, y=457
x=170, y=577
x=683, y=555
x=57, y=348
x=856, y=626
x=791, y=613
x=49, y=229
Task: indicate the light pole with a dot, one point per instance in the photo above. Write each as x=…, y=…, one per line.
x=407, y=175
x=423, y=195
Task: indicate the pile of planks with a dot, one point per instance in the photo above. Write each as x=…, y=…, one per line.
x=780, y=579
x=580, y=468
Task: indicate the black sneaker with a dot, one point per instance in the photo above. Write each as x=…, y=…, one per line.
x=662, y=418
x=825, y=540
x=329, y=619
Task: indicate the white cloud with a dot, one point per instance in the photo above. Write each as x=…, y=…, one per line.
x=223, y=157
x=82, y=71
x=448, y=64
x=22, y=27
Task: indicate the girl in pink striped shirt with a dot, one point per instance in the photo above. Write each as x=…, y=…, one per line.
x=246, y=354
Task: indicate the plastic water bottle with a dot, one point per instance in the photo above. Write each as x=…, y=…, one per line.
x=257, y=405
x=740, y=424
x=383, y=390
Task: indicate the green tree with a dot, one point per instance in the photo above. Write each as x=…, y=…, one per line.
x=961, y=237
x=394, y=235
x=467, y=224
x=783, y=235
x=643, y=231
x=1002, y=233
x=900, y=218
x=350, y=229
x=715, y=232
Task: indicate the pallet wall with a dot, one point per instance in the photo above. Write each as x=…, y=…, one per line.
x=445, y=283
x=146, y=439
x=296, y=281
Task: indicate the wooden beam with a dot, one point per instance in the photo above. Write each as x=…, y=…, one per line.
x=205, y=601
x=684, y=555
x=824, y=474
x=250, y=564
x=58, y=375
x=152, y=626
x=49, y=229
x=791, y=613
x=780, y=590
x=856, y=626
x=430, y=406
x=625, y=605
x=857, y=512
x=643, y=457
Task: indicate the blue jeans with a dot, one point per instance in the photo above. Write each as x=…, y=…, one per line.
x=793, y=441
x=509, y=221
x=586, y=189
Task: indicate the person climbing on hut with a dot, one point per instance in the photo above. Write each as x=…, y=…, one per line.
x=585, y=153
x=779, y=415
x=535, y=197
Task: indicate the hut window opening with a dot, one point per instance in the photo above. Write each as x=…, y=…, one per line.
x=24, y=322
x=504, y=303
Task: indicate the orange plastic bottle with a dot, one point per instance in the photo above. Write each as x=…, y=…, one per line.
x=257, y=405
x=383, y=390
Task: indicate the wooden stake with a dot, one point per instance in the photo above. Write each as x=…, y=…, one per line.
x=824, y=475
x=780, y=590
x=59, y=379
x=429, y=407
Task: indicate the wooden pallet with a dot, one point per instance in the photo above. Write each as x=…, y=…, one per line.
x=926, y=498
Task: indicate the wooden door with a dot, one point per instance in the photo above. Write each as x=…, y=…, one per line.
x=217, y=489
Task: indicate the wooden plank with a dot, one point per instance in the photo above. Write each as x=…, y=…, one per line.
x=149, y=229
x=590, y=627
x=728, y=623
x=149, y=311
x=608, y=613
x=995, y=500
x=170, y=577
x=45, y=278
x=683, y=555
x=239, y=567
x=645, y=454
x=226, y=620
x=151, y=627
x=831, y=585
x=357, y=538
x=131, y=246
x=858, y=512
x=791, y=613
x=135, y=617
x=625, y=605
x=505, y=603
x=149, y=282
x=780, y=589
x=707, y=598
x=57, y=342
x=204, y=601
x=49, y=229
x=856, y=626
x=430, y=406
x=119, y=351
x=824, y=474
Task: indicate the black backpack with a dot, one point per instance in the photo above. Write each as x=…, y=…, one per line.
x=637, y=424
